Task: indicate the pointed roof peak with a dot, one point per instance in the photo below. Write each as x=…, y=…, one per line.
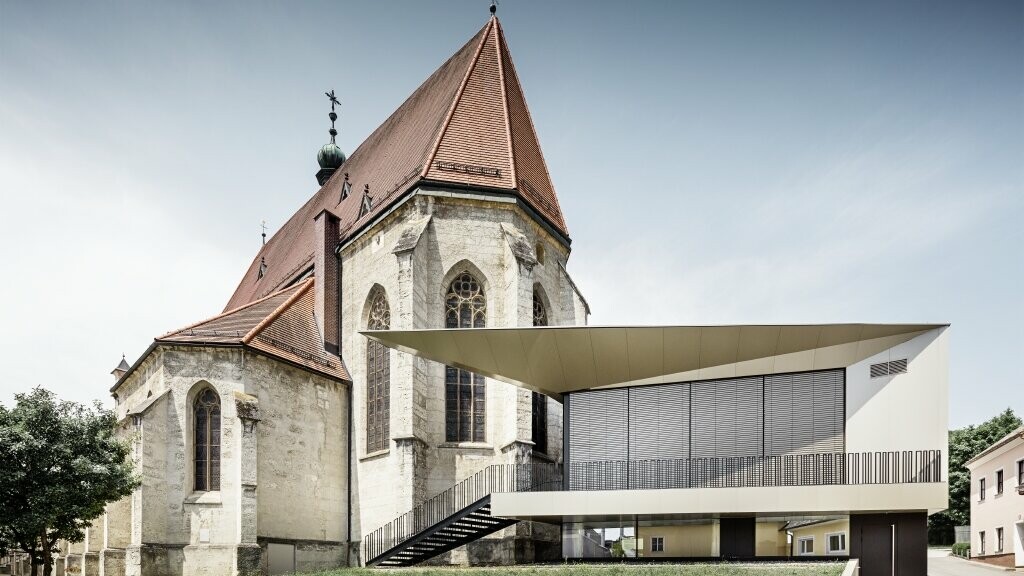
x=122, y=366
x=488, y=138
x=467, y=125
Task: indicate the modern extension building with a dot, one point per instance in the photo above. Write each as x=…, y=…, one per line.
x=997, y=502
x=713, y=442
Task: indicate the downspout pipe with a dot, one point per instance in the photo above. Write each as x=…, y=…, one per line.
x=351, y=413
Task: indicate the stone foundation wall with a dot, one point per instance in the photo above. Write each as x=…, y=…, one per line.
x=301, y=556
x=1001, y=560
x=111, y=562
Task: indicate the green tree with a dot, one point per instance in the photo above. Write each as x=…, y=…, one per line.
x=964, y=444
x=62, y=465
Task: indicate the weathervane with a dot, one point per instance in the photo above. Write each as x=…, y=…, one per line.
x=263, y=225
x=333, y=116
x=494, y=6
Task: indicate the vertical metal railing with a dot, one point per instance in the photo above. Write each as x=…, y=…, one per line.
x=496, y=478
x=903, y=467
x=911, y=466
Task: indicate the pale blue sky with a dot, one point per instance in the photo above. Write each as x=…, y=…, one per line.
x=717, y=162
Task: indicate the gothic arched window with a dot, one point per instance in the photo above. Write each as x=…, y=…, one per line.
x=539, y=426
x=465, y=401
x=206, y=422
x=378, y=375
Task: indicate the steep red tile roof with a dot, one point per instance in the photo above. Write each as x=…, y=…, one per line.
x=280, y=325
x=467, y=124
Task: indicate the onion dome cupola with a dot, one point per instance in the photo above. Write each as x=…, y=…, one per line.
x=330, y=157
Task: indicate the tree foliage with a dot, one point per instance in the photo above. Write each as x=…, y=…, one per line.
x=62, y=465
x=964, y=444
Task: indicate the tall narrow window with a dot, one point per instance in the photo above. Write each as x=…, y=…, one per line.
x=378, y=375
x=999, y=482
x=1020, y=472
x=540, y=406
x=207, y=441
x=999, y=540
x=465, y=401
x=981, y=489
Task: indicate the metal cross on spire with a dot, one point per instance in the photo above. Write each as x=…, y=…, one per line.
x=333, y=116
x=334, y=99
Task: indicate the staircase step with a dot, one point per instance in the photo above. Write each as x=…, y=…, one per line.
x=466, y=525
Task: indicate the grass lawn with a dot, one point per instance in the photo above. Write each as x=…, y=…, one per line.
x=751, y=569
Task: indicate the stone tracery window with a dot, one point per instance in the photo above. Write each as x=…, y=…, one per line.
x=540, y=313
x=206, y=431
x=378, y=375
x=465, y=399
x=539, y=412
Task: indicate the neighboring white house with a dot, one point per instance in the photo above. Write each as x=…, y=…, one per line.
x=997, y=502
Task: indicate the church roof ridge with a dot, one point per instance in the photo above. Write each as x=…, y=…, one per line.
x=303, y=288
x=466, y=125
x=229, y=312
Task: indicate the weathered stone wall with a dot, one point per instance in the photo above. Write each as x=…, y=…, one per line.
x=283, y=434
x=413, y=254
x=302, y=449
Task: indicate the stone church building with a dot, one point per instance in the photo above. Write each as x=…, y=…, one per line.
x=273, y=436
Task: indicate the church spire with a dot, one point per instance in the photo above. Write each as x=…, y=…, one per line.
x=330, y=156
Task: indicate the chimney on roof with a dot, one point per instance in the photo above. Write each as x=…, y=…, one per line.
x=121, y=369
x=330, y=156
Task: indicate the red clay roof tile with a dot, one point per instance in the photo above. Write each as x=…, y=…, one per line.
x=466, y=124
x=280, y=325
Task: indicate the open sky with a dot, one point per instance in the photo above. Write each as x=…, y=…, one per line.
x=717, y=162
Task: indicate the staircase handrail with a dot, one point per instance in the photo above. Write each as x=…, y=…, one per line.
x=496, y=478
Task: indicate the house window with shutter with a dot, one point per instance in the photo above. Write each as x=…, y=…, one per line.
x=657, y=544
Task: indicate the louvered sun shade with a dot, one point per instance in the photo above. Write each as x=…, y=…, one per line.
x=804, y=414
x=659, y=422
x=598, y=425
x=755, y=416
x=727, y=418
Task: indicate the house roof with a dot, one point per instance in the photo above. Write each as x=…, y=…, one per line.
x=121, y=366
x=1017, y=434
x=280, y=325
x=559, y=360
x=466, y=125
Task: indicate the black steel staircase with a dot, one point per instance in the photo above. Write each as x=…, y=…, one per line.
x=468, y=524
x=456, y=516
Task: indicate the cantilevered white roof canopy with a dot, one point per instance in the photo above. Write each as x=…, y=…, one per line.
x=557, y=360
